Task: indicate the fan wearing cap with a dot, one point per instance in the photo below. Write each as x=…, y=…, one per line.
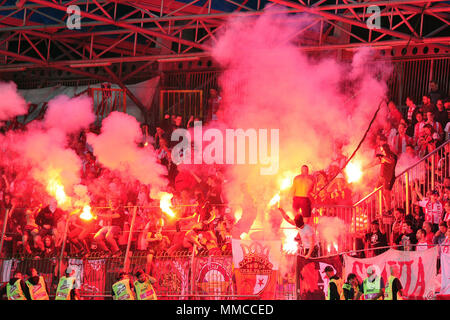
x=334, y=286
x=372, y=287
x=433, y=208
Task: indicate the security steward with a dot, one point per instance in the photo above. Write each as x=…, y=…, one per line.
x=37, y=287
x=350, y=289
x=15, y=289
x=143, y=286
x=372, y=287
x=394, y=289
x=66, y=287
x=123, y=288
x=334, y=286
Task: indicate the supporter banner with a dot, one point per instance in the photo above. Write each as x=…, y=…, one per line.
x=417, y=269
x=172, y=277
x=77, y=265
x=213, y=276
x=256, y=264
x=6, y=267
x=94, y=277
x=445, y=270
x=313, y=282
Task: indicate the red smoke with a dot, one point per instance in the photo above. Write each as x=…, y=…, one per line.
x=117, y=149
x=11, y=103
x=270, y=83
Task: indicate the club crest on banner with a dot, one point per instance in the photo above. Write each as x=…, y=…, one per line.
x=256, y=266
x=214, y=279
x=256, y=262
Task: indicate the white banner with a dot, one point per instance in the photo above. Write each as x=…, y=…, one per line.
x=445, y=270
x=6, y=266
x=417, y=269
x=77, y=265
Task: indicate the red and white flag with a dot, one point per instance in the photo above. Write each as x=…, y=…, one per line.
x=417, y=269
x=255, y=266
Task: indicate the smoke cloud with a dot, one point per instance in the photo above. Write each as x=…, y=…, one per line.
x=116, y=147
x=11, y=103
x=43, y=146
x=331, y=228
x=270, y=83
x=69, y=115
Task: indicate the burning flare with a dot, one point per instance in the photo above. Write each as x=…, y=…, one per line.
x=165, y=203
x=238, y=214
x=285, y=182
x=274, y=200
x=55, y=189
x=86, y=214
x=353, y=172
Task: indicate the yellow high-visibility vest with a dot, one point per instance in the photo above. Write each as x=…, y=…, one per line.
x=38, y=292
x=15, y=292
x=144, y=290
x=122, y=290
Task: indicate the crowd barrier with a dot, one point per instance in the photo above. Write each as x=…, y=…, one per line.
x=183, y=276
x=180, y=276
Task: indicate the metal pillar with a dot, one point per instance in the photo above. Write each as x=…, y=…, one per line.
x=130, y=237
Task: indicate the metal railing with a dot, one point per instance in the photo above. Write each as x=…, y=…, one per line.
x=107, y=100
x=178, y=277
x=366, y=210
x=181, y=102
x=426, y=174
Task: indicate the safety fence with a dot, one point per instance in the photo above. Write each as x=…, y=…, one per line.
x=185, y=103
x=193, y=80
x=183, y=276
x=423, y=176
x=132, y=236
x=107, y=100
x=180, y=276
x=411, y=78
x=410, y=185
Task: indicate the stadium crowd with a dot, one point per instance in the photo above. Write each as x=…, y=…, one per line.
x=35, y=225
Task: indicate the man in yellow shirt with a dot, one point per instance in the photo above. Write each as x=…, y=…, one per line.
x=301, y=191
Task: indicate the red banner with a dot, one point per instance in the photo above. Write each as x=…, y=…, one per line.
x=313, y=282
x=94, y=281
x=214, y=277
x=256, y=267
x=172, y=278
